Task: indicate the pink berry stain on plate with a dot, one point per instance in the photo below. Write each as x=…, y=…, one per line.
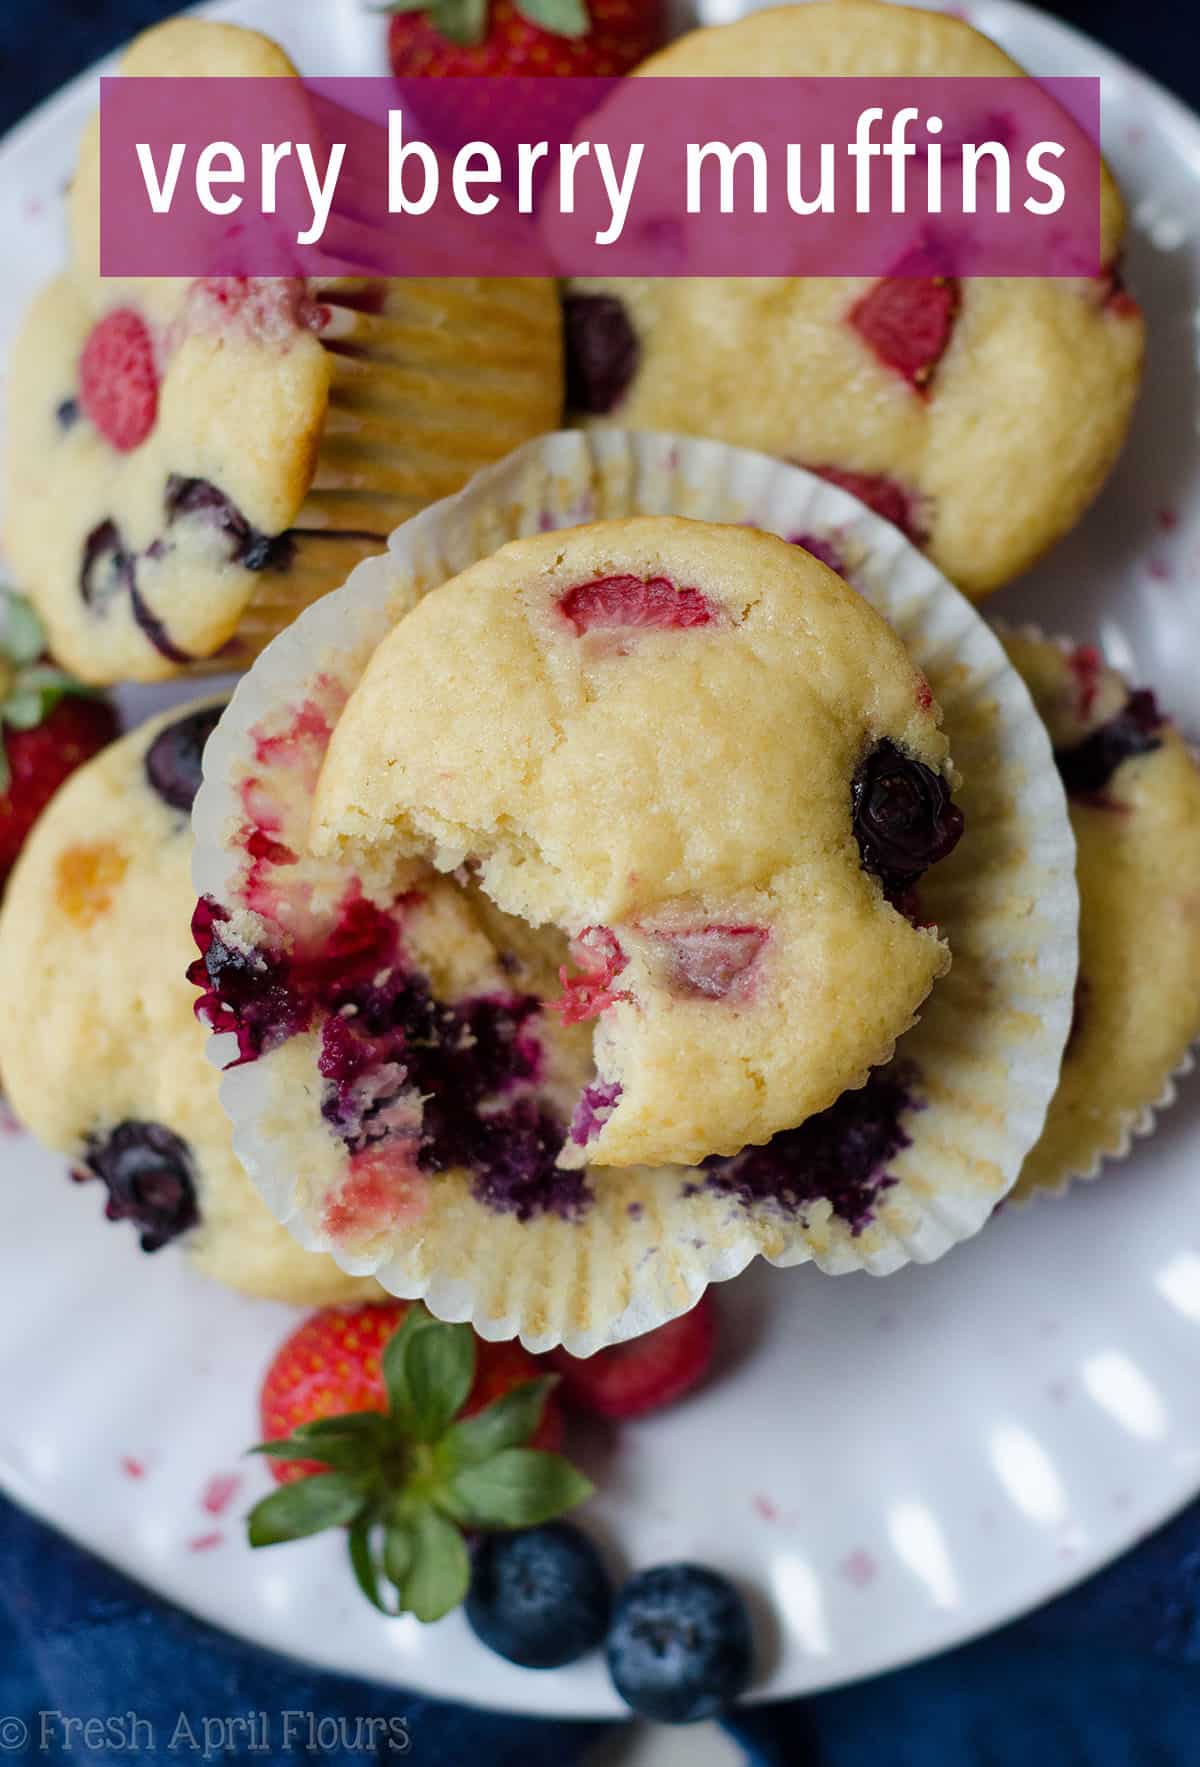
x=206, y=1542
x=859, y=1568
x=220, y=1492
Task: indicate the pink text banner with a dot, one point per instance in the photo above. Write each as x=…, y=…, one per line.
x=640, y=177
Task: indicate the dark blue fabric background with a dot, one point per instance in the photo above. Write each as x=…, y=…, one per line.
x=1107, y=1676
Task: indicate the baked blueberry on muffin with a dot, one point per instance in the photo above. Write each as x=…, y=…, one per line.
x=980, y=416
x=192, y=462
x=101, y=1053
x=709, y=763
x=1134, y=793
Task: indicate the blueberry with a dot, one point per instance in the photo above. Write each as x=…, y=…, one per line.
x=173, y=758
x=601, y=350
x=199, y=499
x=540, y=1598
x=1087, y=767
x=904, y=820
x=107, y=566
x=66, y=413
x=842, y=1153
x=148, y=1172
x=680, y=1646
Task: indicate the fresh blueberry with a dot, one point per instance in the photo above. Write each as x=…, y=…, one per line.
x=541, y=1598
x=1087, y=767
x=601, y=350
x=66, y=413
x=904, y=820
x=680, y=1646
x=174, y=757
x=148, y=1172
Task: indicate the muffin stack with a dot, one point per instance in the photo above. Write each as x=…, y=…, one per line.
x=660, y=865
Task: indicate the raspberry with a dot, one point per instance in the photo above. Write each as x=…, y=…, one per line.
x=118, y=381
x=599, y=955
x=907, y=321
x=637, y=602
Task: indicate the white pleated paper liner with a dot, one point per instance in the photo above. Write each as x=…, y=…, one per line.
x=1077, y=1145
x=983, y=1060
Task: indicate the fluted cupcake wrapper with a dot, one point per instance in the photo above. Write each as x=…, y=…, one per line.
x=1112, y=1141
x=979, y=1067
x=432, y=380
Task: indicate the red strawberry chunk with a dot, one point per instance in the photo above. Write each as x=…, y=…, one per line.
x=1086, y=664
x=598, y=953
x=1115, y=297
x=637, y=602
x=630, y=1380
x=118, y=380
x=384, y=1186
x=712, y=960
x=907, y=321
x=888, y=499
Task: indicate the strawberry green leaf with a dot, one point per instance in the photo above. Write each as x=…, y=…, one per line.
x=398, y=1552
x=349, y=1453
x=508, y=1422
x=460, y=21
x=22, y=711
x=47, y=678
x=440, y=1573
x=440, y=1369
x=366, y=1571
x=562, y=18
x=365, y=1426
x=394, y=1361
x=327, y=1500
x=517, y=1488
x=21, y=637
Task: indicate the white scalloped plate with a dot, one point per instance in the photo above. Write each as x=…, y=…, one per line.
x=893, y=1466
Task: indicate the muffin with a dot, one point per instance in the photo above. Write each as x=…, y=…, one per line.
x=102, y=1056
x=1134, y=793
x=192, y=462
x=693, y=749
x=981, y=416
x=405, y=1057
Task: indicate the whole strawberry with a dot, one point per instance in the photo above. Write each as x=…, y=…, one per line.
x=408, y=1431
x=49, y=726
x=528, y=37
x=645, y=1374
